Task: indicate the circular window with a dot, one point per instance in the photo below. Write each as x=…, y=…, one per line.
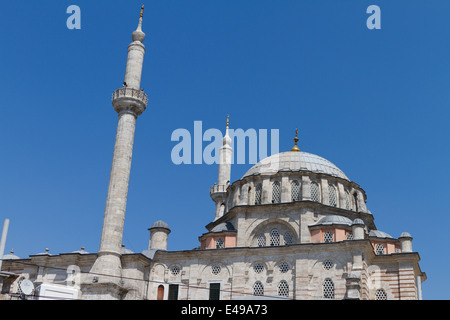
x=284, y=267
x=327, y=265
x=175, y=270
x=216, y=270
x=258, y=268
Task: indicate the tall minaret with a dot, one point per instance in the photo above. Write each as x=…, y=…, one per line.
x=218, y=191
x=129, y=102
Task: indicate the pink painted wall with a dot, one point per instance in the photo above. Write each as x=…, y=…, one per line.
x=210, y=242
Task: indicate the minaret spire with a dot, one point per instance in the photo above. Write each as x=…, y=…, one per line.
x=138, y=35
x=129, y=102
x=218, y=191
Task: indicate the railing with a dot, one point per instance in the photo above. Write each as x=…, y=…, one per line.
x=218, y=188
x=130, y=93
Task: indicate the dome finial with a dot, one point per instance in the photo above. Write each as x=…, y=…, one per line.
x=228, y=120
x=138, y=35
x=296, y=148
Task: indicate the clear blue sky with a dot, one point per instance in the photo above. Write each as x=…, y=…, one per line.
x=373, y=102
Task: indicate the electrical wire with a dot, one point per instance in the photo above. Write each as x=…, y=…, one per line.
x=150, y=281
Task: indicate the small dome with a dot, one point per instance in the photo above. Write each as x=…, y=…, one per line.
x=357, y=221
x=44, y=253
x=124, y=250
x=295, y=161
x=160, y=224
x=332, y=220
x=405, y=235
x=10, y=256
x=379, y=234
x=82, y=251
x=225, y=226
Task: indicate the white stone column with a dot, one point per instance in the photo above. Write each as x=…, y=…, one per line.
x=325, y=193
x=306, y=188
x=285, y=189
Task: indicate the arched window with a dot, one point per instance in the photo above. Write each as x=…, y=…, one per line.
x=379, y=249
x=261, y=239
x=283, y=289
x=355, y=198
x=258, y=289
x=258, y=193
x=295, y=191
x=288, y=238
x=332, y=195
x=219, y=243
x=328, y=236
x=315, y=192
x=274, y=238
x=347, y=201
x=380, y=294
x=276, y=192
x=328, y=289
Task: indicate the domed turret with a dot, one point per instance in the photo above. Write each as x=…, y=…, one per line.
x=159, y=233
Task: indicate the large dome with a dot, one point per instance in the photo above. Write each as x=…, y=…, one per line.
x=295, y=161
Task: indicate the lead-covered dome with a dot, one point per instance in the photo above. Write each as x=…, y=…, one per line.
x=295, y=161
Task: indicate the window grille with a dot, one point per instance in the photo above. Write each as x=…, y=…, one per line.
x=261, y=240
x=276, y=192
x=274, y=238
x=295, y=191
x=314, y=192
x=349, y=236
x=258, y=193
x=328, y=289
x=175, y=270
x=327, y=265
x=379, y=249
x=288, y=238
x=283, y=289
x=380, y=294
x=258, y=289
x=328, y=236
x=219, y=243
x=284, y=267
x=332, y=195
x=258, y=268
x=347, y=201
x=216, y=270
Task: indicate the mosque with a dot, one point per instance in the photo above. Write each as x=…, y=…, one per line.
x=293, y=227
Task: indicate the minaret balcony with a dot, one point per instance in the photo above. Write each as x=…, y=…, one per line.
x=218, y=192
x=129, y=99
x=218, y=189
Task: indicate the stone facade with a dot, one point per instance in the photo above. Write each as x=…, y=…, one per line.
x=293, y=227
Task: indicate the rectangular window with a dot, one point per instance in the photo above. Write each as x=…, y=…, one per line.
x=173, y=292
x=214, y=291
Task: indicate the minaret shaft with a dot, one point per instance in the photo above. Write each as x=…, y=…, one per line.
x=129, y=102
x=135, y=61
x=113, y=223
